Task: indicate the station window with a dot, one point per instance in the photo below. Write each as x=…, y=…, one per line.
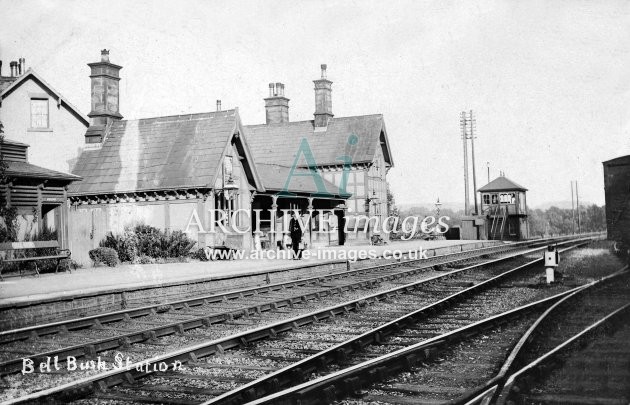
x=486, y=199
x=508, y=198
x=39, y=113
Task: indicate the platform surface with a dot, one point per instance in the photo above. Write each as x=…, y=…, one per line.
x=95, y=279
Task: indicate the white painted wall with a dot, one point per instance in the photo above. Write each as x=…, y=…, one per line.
x=56, y=148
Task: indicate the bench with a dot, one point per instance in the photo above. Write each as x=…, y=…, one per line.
x=15, y=252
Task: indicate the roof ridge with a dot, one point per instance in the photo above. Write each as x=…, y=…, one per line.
x=311, y=121
x=180, y=115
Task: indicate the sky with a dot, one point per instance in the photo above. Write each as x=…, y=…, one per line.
x=548, y=81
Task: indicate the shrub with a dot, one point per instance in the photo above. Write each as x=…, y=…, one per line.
x=143, y=242
x=104, y=255
x=178, y=244
x=125, y=245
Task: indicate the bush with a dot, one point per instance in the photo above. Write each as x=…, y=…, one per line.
x=104, y=255
x=126, y=245
x=144, y=242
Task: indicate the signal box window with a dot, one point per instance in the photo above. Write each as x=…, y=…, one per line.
x=486, y=199
x=39, y=113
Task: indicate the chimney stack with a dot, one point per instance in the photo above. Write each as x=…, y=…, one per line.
x=218, y=105
x=105, y=84
x=323, y=100
x=105, y=102
x=276, y=105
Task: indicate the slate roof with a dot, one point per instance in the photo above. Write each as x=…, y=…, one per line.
x=32, y=74
x=27, y=170
x=5, y=81
x=502, y=183
x=279, y=143
x=274, y=178
x=174, y=152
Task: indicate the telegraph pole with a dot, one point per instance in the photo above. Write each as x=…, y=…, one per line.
x=473, y=122
x=577, y=199
x=462, y=122
x=572, y=210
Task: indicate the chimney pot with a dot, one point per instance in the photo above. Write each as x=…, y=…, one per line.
x=22, y=65
x=218, y=105
x=13, y=66
x=0, y=68
x=277, y=105
x=323, y=66
x=105, y=55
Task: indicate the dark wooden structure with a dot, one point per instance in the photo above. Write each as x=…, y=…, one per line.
x=504, y=204
x=38, y=194
x=617, y=192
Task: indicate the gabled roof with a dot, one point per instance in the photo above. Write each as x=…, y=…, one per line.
x=27, y=170
x=175, y=152
x=31, y=74
x=502, y=183
x=280, y=143
x=275, y=179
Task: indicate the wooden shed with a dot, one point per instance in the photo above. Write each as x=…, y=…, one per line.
x=38, y=194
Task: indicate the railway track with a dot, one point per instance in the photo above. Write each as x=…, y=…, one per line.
x=86, y=337
x=446, y=289
x=459, y=367
x=577, y=353
x=308, y=285
x=384, y=272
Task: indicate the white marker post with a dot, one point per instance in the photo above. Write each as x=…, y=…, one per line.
x=552, y=259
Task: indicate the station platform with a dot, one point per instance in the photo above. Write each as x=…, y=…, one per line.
x=102, y=280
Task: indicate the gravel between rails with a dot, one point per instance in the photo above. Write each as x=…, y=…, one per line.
x=461, y=368
x=600, y=370
x=307, y=340
x=25, y=384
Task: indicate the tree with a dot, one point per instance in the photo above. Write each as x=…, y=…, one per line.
x=391, y=202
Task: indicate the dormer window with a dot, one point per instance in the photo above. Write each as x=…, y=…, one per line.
x=39, y=113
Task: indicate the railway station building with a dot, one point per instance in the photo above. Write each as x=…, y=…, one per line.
x=160, y=170
x=176, y=172
x=353, y=153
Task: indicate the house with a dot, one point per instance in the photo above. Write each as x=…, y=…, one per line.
x=34, y=113
x=179, y=173
x=351, y=152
